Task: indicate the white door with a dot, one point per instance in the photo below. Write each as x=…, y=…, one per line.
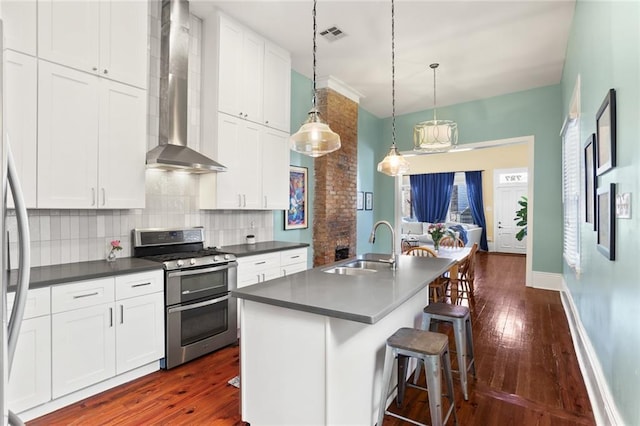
x=275, y=170
x=83, y=348
x=123, y=145
x=67, y=137
x=506, y=202
x=230, y=69
x=140, y=331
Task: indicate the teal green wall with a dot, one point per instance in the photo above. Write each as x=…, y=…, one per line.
x=604, y=50
x=301, y=89
x=536, y=112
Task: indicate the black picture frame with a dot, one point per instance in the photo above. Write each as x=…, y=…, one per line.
x=590, y=181
x=360, y=201
x=368, y=200
x=606, y=134
x=606, y=235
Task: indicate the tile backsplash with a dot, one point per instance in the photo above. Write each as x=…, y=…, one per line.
x=65, y=236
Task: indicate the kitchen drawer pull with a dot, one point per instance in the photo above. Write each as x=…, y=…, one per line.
x=198, y=305
x=141, y=284
x=260, y=263
x=80, y=296
x=294, y=257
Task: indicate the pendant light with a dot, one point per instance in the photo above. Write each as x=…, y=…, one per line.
x=314, y=138
x=435, y=135
x=394, y=164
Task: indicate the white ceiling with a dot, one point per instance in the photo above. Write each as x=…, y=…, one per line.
x=485, y=48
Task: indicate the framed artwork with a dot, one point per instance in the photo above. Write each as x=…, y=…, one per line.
x=606, y=203
x=297, y=215
x=368, y=200
x=590, y=180
x=360, y=201
x=606, y=134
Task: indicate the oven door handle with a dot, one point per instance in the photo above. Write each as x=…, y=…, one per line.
x=197, y=271
x=198, y=305
x=186, y=292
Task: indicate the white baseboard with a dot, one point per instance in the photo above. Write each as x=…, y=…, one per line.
x=547, y=281
x=603, y=405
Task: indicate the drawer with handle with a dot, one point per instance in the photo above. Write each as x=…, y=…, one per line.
x=139, y=284
x=82, y=294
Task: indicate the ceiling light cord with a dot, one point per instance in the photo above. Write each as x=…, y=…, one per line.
x=393, y=75
x=433, y=67
x=315, y=48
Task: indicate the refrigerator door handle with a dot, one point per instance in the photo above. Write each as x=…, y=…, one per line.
x=24, y=267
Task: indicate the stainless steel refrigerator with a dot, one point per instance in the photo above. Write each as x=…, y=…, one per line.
x=11, y=323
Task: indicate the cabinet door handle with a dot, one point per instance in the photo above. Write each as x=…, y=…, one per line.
x=140, y=285
x=284, y=272
x=258, y=275
x=106, y=71
x=110, y=317
x=265, y=201
x=246, y=115
x=80, y=296
x=104, y=197
x=121, y=314
x=266, y=122
x=95, y=68
x=263, y=278
x=239, y=200
x=244, y=200
x=240, y=113
x=93, y=196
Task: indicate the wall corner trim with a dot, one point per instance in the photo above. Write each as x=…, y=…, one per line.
x=603, y=404
x=340, y=87
x=546, y=280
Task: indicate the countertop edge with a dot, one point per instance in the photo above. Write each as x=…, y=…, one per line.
x=243, y=250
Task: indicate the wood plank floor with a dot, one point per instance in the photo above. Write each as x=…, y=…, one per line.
x=527, y=369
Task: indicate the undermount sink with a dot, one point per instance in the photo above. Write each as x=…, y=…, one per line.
x=359, y=267
x=344, y=270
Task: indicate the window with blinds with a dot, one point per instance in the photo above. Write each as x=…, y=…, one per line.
x=571, y=191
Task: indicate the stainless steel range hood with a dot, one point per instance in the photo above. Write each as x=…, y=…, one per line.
x=173, y=153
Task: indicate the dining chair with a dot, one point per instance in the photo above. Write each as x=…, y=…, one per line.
x=437, y=287
x=466, y=274
x=451, y=242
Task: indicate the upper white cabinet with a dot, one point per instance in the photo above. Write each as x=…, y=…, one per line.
x=19, y=20
x=277, y=87
x=20, y=114
x=275, y=170
x=92, y=141
x=108, y=38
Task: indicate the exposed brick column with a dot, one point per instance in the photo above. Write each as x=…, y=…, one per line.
x=334, y=224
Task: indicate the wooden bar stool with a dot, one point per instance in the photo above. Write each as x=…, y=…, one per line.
x=461, y=319
x=433, y=350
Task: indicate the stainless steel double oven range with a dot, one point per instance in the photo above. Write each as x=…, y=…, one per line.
x=200, y=314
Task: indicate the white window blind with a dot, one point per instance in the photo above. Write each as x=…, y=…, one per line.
x=571, y=191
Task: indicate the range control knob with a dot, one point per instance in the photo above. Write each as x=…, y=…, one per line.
x=192, y=261
x=216, y=258
x=180, y=263
x=227, y=257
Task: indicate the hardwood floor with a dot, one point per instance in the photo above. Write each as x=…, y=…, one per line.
x=527, y=371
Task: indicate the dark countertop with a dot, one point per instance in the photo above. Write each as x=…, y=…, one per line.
x=362, y=298
x=44, y=276
x=241, y=250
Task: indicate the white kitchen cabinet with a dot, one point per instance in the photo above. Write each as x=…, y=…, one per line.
x=292, y=261
x=106, y=38
x=275, y=169
x=19, y=23
x=20, y=114
x=258, y=268
x=277, y=88
x=257, y=161
x=30, y=380
x=91, y=141
x=241, y=58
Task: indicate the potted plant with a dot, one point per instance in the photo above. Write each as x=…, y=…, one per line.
x=521, y=218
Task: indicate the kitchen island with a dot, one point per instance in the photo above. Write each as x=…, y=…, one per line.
x=312, y=344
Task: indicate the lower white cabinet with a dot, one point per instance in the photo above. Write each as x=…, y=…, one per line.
x=258, y=268
x=30, y=379
x=292, y=261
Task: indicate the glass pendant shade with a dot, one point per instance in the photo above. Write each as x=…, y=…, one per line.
x=394, y=164
x=435, y=135
x=315, y=138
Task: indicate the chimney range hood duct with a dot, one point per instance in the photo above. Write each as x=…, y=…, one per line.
x=173, y=153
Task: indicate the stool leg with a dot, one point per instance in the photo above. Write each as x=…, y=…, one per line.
x=449, y=379
x=426, y=325
x=403, y=364
x=433, y=370
x=470, y=351
x=389, y=357
x=461, y=348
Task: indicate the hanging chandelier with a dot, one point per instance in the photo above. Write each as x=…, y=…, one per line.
x=435, y=135
x=314, y=138
x=393, y=164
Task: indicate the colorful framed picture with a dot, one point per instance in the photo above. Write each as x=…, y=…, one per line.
x=368, y=200
x=590, y=180
x=360, y=201
x=297, y=214
x=606, y=134
x=606, y=203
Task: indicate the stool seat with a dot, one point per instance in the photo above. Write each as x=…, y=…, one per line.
x=446, y=309
x=418, y=341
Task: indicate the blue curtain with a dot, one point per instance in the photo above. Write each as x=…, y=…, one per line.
x=431, y=195
x=474, y=192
